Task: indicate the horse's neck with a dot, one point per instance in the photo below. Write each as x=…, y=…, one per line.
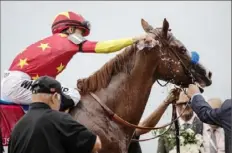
x=127, y=94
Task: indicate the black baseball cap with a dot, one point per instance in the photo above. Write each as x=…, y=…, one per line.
x=46, y=84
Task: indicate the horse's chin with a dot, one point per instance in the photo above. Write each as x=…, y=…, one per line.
x=204, y=82
x=186, y=85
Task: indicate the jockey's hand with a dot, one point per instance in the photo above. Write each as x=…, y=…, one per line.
x=173, y=96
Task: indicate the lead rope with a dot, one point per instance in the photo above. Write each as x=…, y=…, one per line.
x=177, y=131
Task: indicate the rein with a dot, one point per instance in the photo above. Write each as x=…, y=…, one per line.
x=117, y=118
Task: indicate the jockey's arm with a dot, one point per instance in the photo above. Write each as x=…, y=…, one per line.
x=107, y=46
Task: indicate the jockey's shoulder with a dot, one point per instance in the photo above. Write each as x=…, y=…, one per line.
x=51, y=38
x=55, y=36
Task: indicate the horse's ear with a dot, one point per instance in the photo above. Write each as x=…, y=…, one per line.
x=165, y=28
x=146, y=27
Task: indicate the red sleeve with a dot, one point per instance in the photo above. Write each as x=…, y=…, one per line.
x=89, y=46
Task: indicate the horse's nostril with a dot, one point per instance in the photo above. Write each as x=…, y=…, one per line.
x=209, y=75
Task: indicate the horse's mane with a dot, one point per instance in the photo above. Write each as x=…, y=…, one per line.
x=102, y=77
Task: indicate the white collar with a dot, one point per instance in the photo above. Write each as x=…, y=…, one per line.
x=207, y=127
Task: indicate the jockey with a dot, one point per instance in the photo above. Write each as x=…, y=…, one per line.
x=51, y=55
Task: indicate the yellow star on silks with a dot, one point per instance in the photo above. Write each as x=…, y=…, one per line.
x=44, y=46
x=64, y=14
x=62, y=35
x=35, y=77
x=22, y=62
x=60, y=68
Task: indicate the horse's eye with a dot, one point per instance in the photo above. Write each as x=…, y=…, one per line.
x=183, y=50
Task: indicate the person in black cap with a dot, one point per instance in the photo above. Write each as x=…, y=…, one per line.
x=45, y=129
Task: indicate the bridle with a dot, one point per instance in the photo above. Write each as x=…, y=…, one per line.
x=174, y=115
x=188, y=73
x=116, y=118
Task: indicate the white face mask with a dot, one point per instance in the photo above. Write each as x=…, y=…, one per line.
x=76, y=38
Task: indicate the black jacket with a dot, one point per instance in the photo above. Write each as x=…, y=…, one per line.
x=134, y=146
x=43, y=130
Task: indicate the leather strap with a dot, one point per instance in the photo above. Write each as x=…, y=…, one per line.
x=117, y=118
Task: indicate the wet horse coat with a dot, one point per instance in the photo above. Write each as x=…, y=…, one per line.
x=125, y=82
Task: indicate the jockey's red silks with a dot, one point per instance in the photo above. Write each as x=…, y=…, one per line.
x=51, y=55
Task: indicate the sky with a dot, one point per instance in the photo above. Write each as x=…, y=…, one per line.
x=204, y=27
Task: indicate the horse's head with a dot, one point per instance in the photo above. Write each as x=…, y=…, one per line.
x=174, y=60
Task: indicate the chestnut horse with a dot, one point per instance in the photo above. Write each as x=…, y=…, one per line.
x=124, y=83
